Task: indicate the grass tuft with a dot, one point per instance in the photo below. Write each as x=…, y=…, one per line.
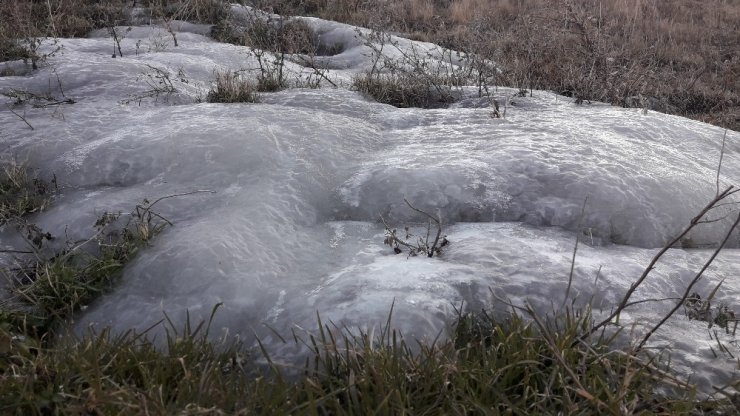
x=232, y=87
x=50, y=284
x=21, y=192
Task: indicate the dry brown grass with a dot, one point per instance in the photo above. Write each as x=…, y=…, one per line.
x=463, y=11
x=681, y=56
x=24, y=22
x=70, y=18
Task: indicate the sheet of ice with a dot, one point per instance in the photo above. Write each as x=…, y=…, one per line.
x=301, y=179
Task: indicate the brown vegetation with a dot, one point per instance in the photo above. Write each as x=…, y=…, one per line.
x=231, y=87
x=25, y=23
x=678, y=57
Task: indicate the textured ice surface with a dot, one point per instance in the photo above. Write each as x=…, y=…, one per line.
x=301, y=179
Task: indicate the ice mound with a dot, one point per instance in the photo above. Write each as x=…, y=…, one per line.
x=645, y=176
x=350, y=279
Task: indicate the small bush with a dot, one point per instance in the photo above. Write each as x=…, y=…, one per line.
x=270, y=83
x=11, y=49
x=405, y=90
x=413, y=78
x=160, y=84
x=428, y=244
x=291, y=36
x=231, y=87
x=284, y=36
x=199, y=11
x=270, y=41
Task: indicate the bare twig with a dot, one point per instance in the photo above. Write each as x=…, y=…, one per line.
x=438, y=221
x=59, y=83
x=711, y=220
x=721, y=156
x=21, y=117
x=394, y=239
x=16, y=251
x=637, y=302
x=319, y=72
x=691, y=285
x=53, y=103
x=146, y=209
x=51, y=18
x=575, y=250
x=625, y=300
x=79, y=245
x=726, y=204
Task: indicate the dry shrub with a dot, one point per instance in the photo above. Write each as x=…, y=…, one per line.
x=271, y=80
x=294, y=7
x=199, y=11
x=10, y=50
x=463, y=11
x=232, y=87
x=405, y=90
x=410, y=79
x=278, y=36
x=271, y=40
x=417, y=14
x=24, y=25
x=339, y=10
x=294, y=36
x=59, y=18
